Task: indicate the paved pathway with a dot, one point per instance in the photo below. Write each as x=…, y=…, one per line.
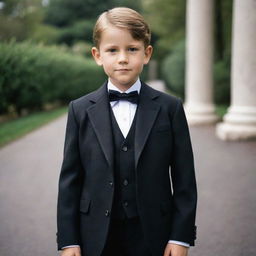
x=29, y=171
x=226, y=174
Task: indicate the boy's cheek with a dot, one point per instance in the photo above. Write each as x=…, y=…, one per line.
x=98, y=61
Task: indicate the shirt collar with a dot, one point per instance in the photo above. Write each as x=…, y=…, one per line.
x=135, y=87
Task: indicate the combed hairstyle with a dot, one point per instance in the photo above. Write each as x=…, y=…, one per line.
x=126, y=18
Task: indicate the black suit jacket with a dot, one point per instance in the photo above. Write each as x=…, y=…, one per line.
x=166, y=206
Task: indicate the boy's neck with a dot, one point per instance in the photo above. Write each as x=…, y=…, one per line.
x=124, y=87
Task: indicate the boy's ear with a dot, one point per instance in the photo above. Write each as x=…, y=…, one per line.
x=96, y=55
x=148, y=54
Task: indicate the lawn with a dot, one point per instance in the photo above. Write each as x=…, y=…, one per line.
x=14, y=129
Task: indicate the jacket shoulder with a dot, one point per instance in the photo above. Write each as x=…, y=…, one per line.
x=84, y=100
x=163, y=96
x=79, y=106
x=87, y=100
x=167, y=101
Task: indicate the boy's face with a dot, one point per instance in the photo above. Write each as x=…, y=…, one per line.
x=121, y=56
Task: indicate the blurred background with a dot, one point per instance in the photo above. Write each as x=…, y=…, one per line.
x=42, y=40
x=45, y=62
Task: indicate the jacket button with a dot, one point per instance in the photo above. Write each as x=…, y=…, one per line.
x=125, y=182
x=125, y=148
x=125, y=203
x=107, y=213
x=111, y=183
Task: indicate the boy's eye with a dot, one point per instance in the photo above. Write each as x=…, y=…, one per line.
x=133, y=49
x=111, y=50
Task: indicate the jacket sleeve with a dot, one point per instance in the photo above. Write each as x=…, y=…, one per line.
x=183, y=181
x=69, y=186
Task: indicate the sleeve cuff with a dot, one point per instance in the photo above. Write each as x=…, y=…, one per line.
x=70, y=246
x=179, y=243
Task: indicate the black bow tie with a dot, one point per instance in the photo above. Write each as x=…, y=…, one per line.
x=132, y=97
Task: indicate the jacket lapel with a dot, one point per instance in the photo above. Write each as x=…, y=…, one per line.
x=100, y=118
x=99, y=114
x=146, y=116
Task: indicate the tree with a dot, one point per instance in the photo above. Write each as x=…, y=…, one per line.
x=18, y=18
x=64, y=13
x=167, y=21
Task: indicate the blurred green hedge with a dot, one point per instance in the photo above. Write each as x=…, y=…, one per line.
x=77, y=32
x=173, y=69
x=33, y=75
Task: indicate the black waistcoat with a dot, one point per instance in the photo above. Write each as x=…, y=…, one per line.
x=124, y=205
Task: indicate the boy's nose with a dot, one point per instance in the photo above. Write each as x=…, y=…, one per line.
x=123, y=58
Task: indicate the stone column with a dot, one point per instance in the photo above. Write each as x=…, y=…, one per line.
x=199, y=62
x=240, y=121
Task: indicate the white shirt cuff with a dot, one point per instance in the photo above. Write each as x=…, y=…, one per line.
x=179, y=243
x=70, y=246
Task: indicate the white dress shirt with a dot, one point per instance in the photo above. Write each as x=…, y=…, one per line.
x=124, y=112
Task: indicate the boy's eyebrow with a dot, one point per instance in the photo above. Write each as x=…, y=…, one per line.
x=111, y=45
x=129, y=45
x=134, y=45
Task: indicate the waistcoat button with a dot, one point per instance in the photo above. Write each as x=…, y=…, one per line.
x=107, y=213
x=125, y=203
x=125, y=182
x=124, y=148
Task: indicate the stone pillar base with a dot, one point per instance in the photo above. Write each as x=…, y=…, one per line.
x=201, y=114
x=226, y=131
x=239, y=124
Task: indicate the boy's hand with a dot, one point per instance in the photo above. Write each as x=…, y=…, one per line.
x=72, y=251
x=175, y=250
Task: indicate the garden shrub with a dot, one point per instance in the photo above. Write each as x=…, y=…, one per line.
x=33, y=75
x=81, y=30
x=173, y=69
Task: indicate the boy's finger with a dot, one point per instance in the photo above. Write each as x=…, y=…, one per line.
x=167, y=251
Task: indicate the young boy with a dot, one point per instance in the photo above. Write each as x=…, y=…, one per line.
x=116, y=197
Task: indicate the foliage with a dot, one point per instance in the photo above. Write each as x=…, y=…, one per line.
x=82, y=48
x=221, y=110
x=223, y=28
x=34, y=75
x=222, y=81
x=167, y=20
x=45, y=34
x=173, y=69
x=223, y=24
x=81, y=30
x=18, y=18
x=64, y=13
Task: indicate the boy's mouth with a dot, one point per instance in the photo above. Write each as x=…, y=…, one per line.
x=123, y=69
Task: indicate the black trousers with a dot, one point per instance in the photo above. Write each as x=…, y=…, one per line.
x=126, y=238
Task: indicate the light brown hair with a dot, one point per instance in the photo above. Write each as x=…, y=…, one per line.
x=125, y=18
